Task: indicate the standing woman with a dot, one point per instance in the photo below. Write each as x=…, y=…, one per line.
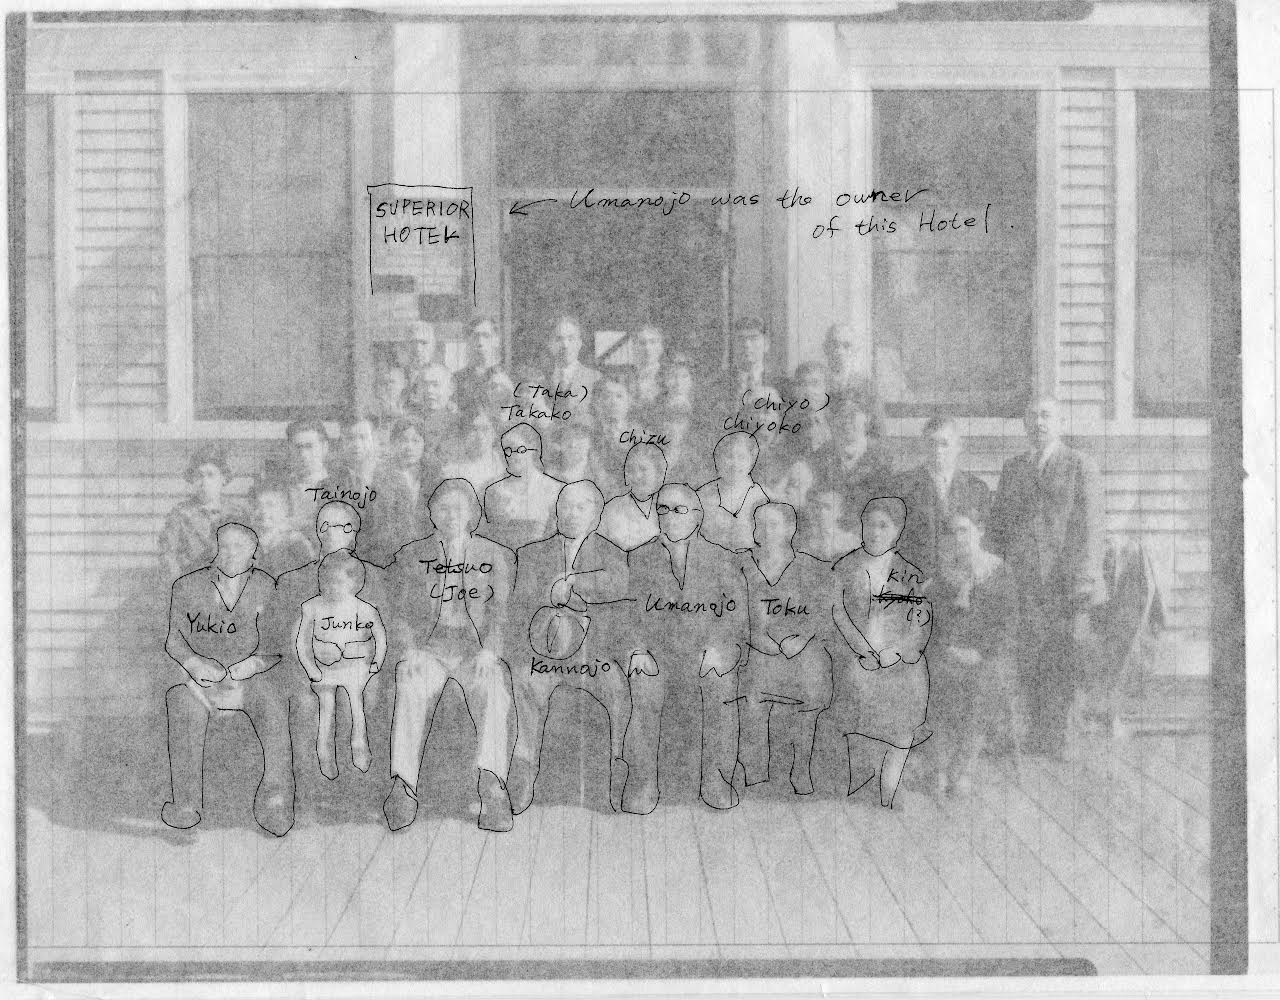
x=401, y=513
x=883, y=689
x=730, y=500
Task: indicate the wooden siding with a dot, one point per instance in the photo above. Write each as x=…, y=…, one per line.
x=119, y=279
x=1086, y=201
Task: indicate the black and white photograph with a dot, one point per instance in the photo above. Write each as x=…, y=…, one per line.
x=637, y=491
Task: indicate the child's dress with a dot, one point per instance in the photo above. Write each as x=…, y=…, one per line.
x=344, y=664
x=884, y=598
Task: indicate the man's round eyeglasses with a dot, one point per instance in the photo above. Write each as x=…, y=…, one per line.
x=520, y=450
x=346, y=528
x=677, y=509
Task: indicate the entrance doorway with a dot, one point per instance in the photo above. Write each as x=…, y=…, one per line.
x=615, y=268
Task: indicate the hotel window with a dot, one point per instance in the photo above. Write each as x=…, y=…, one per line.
x=271, y=255
x=1171, y=366
x=40, y=337
x=953, y=313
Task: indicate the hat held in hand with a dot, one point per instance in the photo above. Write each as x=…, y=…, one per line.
x=558, y=633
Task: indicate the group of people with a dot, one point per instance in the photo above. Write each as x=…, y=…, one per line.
x=798, y=580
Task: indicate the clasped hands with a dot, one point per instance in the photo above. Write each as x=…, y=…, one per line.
x=206, y=671
x=562, y=595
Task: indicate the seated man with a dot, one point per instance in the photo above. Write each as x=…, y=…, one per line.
x=631, y=519
x=690, y=625
x=567, y=627
x=520, y=508
x=451, y=591
x=213, y=636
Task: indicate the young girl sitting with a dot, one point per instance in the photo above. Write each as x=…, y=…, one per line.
x=341, y=643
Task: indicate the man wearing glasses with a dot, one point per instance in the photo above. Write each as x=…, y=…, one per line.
x=690, y=626
x=337, y=527
x=521, y=507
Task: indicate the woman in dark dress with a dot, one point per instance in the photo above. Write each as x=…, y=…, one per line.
x=885, y=620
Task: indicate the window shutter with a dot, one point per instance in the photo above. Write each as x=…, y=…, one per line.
x=119, y=246
x=1086, y=240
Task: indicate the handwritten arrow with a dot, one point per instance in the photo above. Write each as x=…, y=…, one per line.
x=518, y=209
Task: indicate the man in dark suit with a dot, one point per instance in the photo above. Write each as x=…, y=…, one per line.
x=749, y=376
x=1047, y=524
x=690, y=624
x=567, y=628
x=213, y=635
x=449, y=594
x=936, y=490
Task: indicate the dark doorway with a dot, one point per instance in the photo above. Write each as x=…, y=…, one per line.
x=616, y=270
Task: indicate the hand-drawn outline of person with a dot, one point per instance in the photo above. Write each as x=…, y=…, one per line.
x=730, y=500
x=213, y=636
x=786, y=681
x=631, y=520
x=451, y=593
x=885, y=620
x=520, y=507
x=341, y=643
x=690, y=625
x=565, y=630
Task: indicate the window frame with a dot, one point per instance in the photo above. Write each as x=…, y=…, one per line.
x=44, y=101
x=909, y=409
x=1193, y=410
x=265, y=413
x=184, y=71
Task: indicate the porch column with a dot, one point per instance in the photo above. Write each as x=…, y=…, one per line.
x=826, y=122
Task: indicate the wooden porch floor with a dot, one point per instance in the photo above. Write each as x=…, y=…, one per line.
x=1103, y=856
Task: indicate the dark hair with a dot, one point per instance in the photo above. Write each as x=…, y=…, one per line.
x=744, y=323
x=405, y=424
x=785, y=509
x=297, y=427
x=875, y=429
x=733, y=437
x=936, y=423
x=644, y=448
x=678, y=359
x=337, y=562
x=894, y=507
x=268, y=484
x=480, y=319
x=805, y=367
x=462, y=488
x=208, y=455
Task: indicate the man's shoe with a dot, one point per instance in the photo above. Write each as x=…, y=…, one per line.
x=273, y=809
x=179, y=817
x=520, y=780
x=718, y=793
x=640, y=797
x=617, y=782
x=495, y=804
x=400, y=807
